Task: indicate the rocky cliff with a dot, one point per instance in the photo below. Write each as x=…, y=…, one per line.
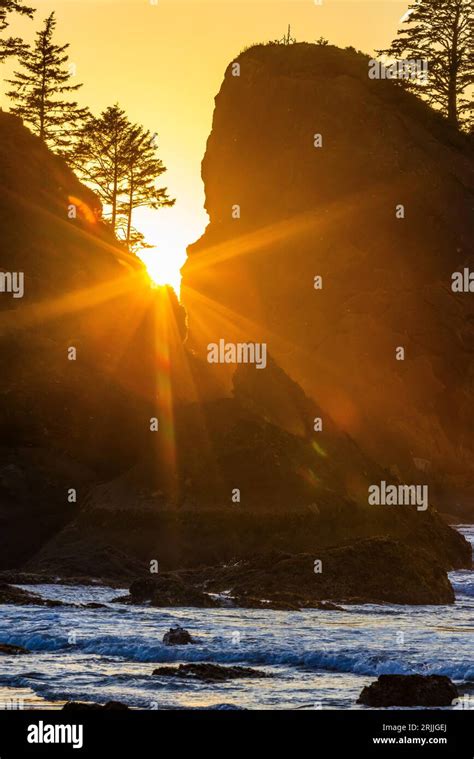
x=78, y=347
x=236, y=467
x=312, y=169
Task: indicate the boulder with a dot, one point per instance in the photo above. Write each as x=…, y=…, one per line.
x=7, y=648
x=409, y=690
x=177, y=636
x=208, y=672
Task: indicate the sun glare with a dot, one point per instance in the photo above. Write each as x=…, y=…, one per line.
x=163, y=265
x=170, y=232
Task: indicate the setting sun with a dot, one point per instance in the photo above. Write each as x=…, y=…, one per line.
x=163, y=265
x=169, y=231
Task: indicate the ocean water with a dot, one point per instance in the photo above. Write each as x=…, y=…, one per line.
x=318, y=659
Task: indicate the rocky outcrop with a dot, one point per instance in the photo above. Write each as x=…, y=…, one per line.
x=93, y=492
x=367, y=571
x=20, y=597
x=296, y=495
x=208, y=672
x=409, y=690
x=6, y=649
x=177, y=636
x=67, y=421
x=382, y=212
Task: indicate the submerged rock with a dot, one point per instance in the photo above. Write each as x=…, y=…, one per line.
x=409, y=690
x=209, y=672
x=7, y=648
x=177, y=636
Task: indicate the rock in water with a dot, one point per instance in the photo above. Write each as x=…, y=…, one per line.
x=409, y=690
x=209, y=672
x=334, y=217
x=177, y=636
x=11, y=595
x=6, y=648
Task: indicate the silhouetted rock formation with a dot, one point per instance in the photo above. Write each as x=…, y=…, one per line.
x=409, y=690
x=366, y=571
x=68, y=423
x=296, y=495
x=331, y=211
x=143, y=497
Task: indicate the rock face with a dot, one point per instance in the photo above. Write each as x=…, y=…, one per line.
x=87, y=490
x=297, y=495
x=336, y=212
x=409, y=690
x=67, y=423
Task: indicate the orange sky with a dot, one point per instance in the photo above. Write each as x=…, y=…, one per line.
x=163, y=61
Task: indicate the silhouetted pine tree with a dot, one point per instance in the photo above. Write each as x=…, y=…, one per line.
x=143, y=168
x=11, y=45
x=39, y=91
x=100, y=156
x=117, y=159
x=441, y=32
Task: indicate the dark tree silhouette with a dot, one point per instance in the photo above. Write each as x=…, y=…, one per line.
x=39, y=91
x=12, y=45
x=441, y=32
x=99, y=156
x=117, y=159
x=287, y=39
x=143, y=168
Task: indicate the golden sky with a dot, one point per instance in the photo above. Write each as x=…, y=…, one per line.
x=164, y=60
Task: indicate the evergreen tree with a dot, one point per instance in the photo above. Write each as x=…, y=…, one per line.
x=11, y=45
x=117, y=159
x=441, y=32
x=100, y=156
x=143, y=168
x=40, y=91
